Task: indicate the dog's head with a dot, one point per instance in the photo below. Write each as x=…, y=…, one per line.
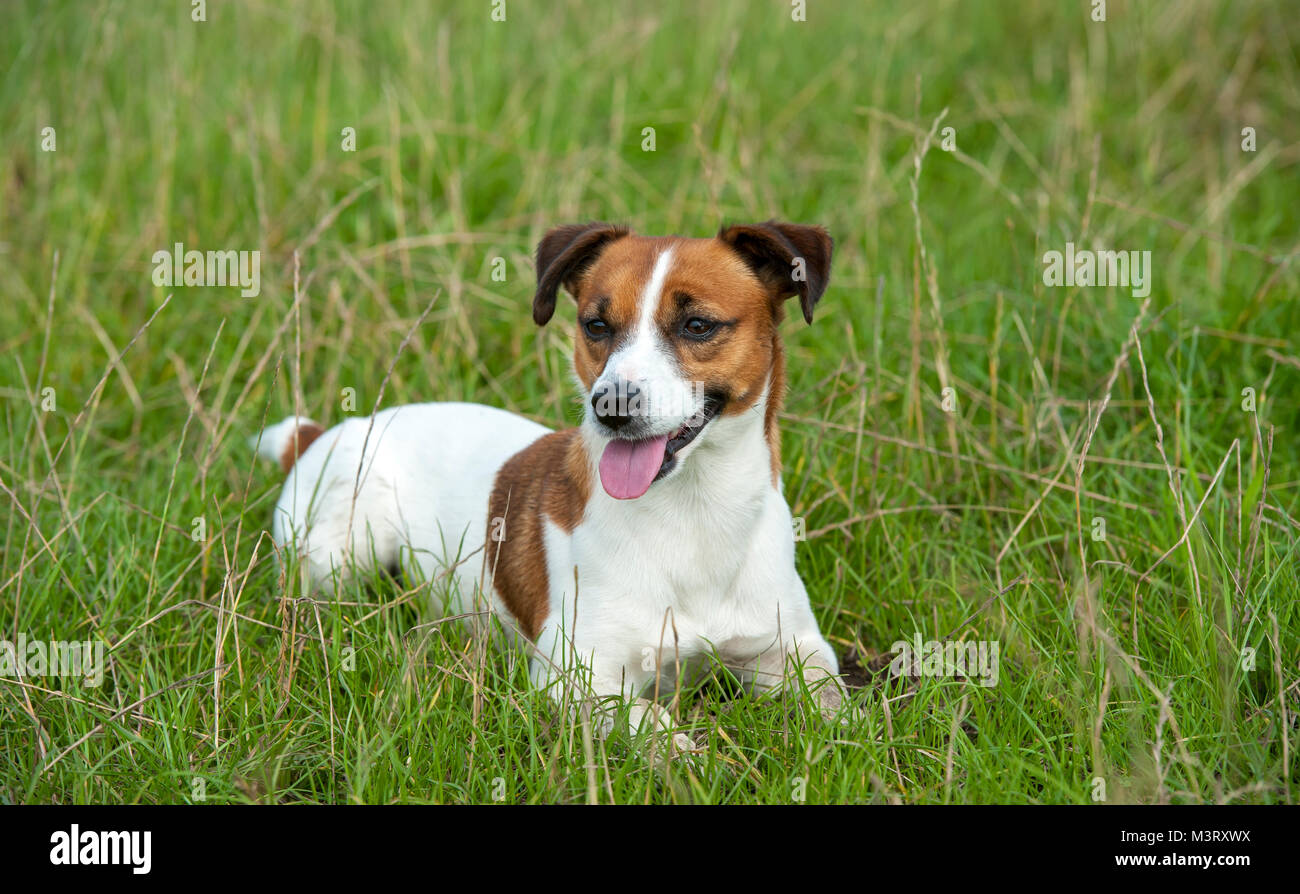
x=673, y=332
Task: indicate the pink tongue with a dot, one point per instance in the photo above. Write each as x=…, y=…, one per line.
x=628, y=467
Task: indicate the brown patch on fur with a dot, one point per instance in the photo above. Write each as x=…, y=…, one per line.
x=549, y=479
x=775, y=400
x=298, y=445
x=707, y=278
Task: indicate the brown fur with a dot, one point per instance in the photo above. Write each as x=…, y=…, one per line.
x=298, y=445
x=549, y=479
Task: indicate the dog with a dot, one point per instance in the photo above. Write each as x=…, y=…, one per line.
x=627, y=549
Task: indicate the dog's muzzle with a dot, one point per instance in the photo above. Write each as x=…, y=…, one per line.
x=628, y=466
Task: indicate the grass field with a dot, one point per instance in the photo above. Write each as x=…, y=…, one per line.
x=955, y=429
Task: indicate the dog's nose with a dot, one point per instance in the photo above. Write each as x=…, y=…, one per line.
x=616, y=404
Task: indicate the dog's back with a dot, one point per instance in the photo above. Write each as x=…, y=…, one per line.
x=361, y=493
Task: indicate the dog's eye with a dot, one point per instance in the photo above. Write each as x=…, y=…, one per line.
x=596, y=328
x=698, y=328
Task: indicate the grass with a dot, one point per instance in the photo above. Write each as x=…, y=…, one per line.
x=1123, y=660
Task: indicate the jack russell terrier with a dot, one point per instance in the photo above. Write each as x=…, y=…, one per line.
x=630, y=547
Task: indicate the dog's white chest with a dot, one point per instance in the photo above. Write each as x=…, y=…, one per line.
x=703, y=563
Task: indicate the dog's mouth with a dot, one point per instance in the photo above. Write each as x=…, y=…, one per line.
x=628, y=468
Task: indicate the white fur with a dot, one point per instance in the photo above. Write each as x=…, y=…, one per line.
x=421, y=496
x=703, y=563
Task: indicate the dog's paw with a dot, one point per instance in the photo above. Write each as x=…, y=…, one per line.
x=686, y=752
x=660, y=740
x=684, y=745
x=835, y=704
x=664, y=749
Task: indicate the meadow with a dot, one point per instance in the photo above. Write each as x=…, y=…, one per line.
x=1103, y=481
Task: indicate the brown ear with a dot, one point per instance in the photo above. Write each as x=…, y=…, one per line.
x=563, y=255
x=790, y=259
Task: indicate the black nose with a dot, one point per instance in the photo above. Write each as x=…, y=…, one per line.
x=615, y=405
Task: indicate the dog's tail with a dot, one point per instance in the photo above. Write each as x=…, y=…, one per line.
x=285, y=441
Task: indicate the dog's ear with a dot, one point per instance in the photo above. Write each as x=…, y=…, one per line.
x=563, y=255
x=790, y=259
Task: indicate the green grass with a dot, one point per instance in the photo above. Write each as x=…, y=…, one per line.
x=472, y=138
